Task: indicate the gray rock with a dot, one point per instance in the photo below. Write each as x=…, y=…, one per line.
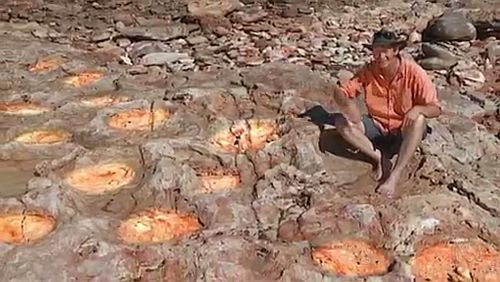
x=137, y=70
x=433, y=50
x=164, y=33
x=40, y=33
x=493, y=50
x=101, y=36
x=123, y=42
x=481, y=100
x=141, y=48
x=449, y=27
x=282, y=76
x=196, y=40
x=307, y=159
x=468, y=75
x=162, y=58
x=219, y=8
x=435, y=63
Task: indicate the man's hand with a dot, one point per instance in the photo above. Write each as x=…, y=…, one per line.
x=411, y=117
x=428, y=111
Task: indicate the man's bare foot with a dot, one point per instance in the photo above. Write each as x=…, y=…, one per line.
x=388, y=188
x=382, y=166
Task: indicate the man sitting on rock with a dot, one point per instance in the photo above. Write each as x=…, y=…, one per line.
x=399, y=97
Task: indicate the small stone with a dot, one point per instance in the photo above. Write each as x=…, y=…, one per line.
x=414, y=37
x=109, y=52
x=141, y=48
x=162, y=58
x=40, y=33
x=304, y=9
x=124, y=19
x=101, y=36
x=55, y=34
x=493, y=51
x=123, y=42
x=233, y=54
x=166, y=32
x=250, y=60
x=290, y=12
x=344, y=75
x=219, y=8
x=249, y=16
x=317, y=43
x=321, y=59
x=196, y=40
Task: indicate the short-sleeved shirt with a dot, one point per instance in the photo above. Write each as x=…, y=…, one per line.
x=388, y=101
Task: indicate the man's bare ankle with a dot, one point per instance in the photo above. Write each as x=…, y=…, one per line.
x=395, y=174
x=378, y=159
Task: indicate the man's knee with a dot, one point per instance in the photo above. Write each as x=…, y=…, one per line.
x=350, y=130
x=420, y=124
x=421, y=121
x=340, y=122
x=342, y=125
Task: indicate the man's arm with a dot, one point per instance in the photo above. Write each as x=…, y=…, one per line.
x=346, y=105
x=429, y=111
x=344, y=95
x=425, y=94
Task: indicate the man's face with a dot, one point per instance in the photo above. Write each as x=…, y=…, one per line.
x=384, y=55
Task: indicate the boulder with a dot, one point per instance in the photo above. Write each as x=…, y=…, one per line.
x=449, y=27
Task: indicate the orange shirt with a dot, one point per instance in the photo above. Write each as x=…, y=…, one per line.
x=388, y=101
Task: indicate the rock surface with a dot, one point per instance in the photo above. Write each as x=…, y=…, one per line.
x=193, y=141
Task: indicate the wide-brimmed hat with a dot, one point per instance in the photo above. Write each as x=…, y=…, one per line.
x=387, y=38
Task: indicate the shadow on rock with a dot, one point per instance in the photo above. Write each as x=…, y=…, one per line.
x=319, y=116
x=330, y=140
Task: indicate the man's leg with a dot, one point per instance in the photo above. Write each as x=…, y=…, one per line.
x=359, y=135
x=412, y=137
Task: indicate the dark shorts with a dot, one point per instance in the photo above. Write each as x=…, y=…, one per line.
x=387, y=142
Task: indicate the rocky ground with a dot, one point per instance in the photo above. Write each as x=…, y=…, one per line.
x=191, y=141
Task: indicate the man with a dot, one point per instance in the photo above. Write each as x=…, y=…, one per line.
x=399, y=97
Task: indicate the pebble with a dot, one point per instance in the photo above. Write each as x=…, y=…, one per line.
x=101, y=36
x=40, y=33
x=250, y=16
x=197, y=40
x=162, y=58
x=162, y=33
x=414, y=37
x=123, y=42
x=204, y=8
x=493, y=51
